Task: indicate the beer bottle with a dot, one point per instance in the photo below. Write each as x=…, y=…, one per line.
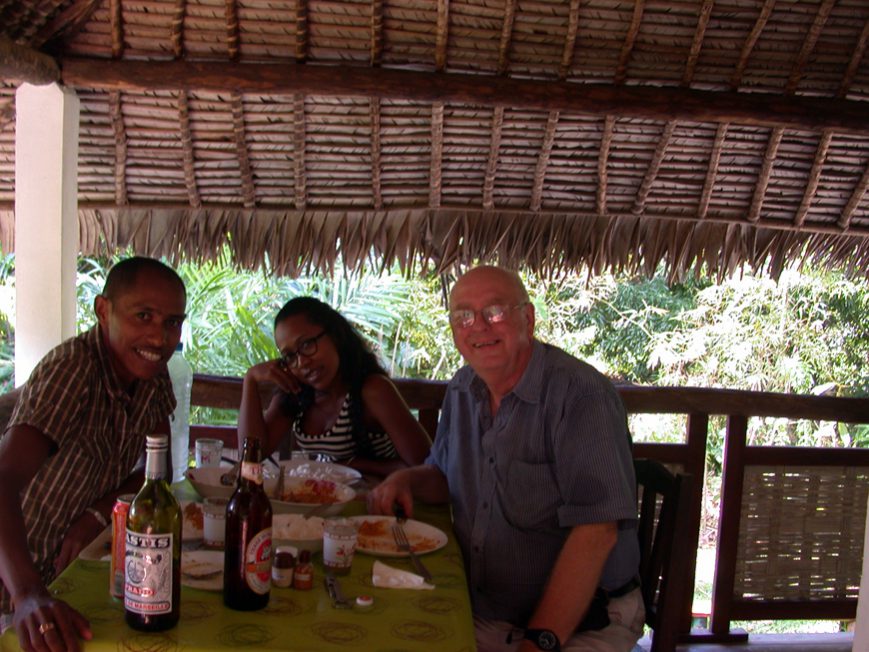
x=152, y=562
x=247, y=566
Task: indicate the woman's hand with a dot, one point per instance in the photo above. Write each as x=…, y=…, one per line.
x=277, y=373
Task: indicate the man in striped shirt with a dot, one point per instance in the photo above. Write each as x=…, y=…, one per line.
x=532, y=451
x=75, y=442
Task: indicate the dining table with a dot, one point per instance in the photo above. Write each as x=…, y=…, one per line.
x=296, y=620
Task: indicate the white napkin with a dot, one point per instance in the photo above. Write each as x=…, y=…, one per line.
x=387, y=577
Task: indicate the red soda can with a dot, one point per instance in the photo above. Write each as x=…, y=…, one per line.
x=119, y=548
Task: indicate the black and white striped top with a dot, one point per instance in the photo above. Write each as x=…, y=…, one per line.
x=336, y=444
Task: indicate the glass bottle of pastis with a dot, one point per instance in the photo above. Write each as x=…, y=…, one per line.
x=152, y=564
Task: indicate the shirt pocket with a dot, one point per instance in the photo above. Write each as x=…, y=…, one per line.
x=529, y=495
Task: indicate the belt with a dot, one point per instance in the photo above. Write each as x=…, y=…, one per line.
x=624, y=589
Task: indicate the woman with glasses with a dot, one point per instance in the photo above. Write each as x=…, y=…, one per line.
x=334, y=400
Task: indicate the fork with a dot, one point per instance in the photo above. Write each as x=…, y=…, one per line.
x=403, y=544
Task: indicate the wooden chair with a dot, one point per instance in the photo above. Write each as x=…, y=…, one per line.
x=662, y=531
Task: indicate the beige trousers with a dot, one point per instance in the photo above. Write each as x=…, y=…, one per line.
x=621, y=635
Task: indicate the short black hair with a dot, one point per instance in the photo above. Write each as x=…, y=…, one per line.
x=123, y=275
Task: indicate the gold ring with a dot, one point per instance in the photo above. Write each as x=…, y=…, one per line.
x=44, y=628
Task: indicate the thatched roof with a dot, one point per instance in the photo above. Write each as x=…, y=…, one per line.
x=545, y=132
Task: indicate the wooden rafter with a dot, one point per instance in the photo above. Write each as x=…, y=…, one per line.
x=506, y=36
x=712, y=171
x=301, y=31
x=67, y=23
x=376, y=189
x=814, y=177
x=299, y=139
x=21, y=63
x=437, y=155
x=630, y=41
x=376, y=31
x=855, y=199
x=697, y=42
x=809, y=43
x=116, y=21
x=654, y=168
x=233, y=37
x=177, y=28
x=492, y=161
x=756, y=109
x=442, y=35
x=187, y=150
x=238, y=132
x=750, y=42
x=7, y=112
x=765, y=174
x=606, y=143
x=543, y=161
x=117, y=118
x=569, y=40
x=856, y=58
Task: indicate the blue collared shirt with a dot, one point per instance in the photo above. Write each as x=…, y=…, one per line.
x=556, y=455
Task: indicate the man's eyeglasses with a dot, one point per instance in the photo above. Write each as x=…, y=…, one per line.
x=494, y=314
x=306, y=348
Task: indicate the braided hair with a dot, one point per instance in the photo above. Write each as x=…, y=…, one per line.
x=356, y=363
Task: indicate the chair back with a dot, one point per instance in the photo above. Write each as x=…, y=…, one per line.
x=662, y=531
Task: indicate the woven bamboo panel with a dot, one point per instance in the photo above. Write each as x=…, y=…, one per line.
x=801, y=533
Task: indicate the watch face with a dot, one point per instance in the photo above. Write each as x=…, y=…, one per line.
x=543, y=639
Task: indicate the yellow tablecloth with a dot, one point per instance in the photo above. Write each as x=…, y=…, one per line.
x=438, y=619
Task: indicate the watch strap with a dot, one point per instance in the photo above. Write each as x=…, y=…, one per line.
x=544, y=639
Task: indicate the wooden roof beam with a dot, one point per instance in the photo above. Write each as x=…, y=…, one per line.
x=856, y=58
x=697, y=43
x=233, y=36
x=569, y=40
x=630, y=41
x=376, y=165
x=437, y=155
x=23, y=64
x=712, y=171
x=543, y=161
x=176, y=35
x=750, y=42
x=765, y=174
x=187, y=151
x=654, y=168
x=492, y=162
x=299, y=139
x=67, y=23
x=856, y=197
x=814, y=177
x=757, y=109
x=506, y=36
x=606, y=143
x=301, y=31
x=376, y=32
x=117, y=117
x=248, y=189
x=809, y=44
x=442, y=35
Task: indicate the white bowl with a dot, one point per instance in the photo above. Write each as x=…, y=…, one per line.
x=308, y=493
x=206, y=481
x=302, y=468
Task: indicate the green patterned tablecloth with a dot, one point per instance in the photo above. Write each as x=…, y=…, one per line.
x=438, y=619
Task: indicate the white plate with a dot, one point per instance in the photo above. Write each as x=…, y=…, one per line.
x=202, y=569
x=423, y=538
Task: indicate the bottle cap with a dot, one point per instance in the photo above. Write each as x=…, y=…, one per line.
x=364, y=601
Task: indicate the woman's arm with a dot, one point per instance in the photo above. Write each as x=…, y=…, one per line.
x=269, y=426
x=384, y=406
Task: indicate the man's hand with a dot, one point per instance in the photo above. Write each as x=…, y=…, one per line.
x=394, y=489
x=44, y=623
x=81, y=532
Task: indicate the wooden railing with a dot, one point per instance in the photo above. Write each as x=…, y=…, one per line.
x=736, y=593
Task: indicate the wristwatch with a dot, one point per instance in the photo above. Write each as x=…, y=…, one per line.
x=545, y=639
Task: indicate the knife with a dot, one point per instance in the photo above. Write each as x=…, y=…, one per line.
x=333, y=586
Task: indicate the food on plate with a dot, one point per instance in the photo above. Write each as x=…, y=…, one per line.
x=311, y=490
x=296, y=526
x=376, y=536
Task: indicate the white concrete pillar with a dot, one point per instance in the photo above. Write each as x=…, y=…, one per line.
x=861, y=633
x=46, y=221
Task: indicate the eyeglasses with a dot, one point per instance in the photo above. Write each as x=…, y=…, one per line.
x=494, y=314
x=306, y=348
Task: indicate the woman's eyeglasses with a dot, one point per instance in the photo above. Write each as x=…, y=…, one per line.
x=494, y=314
x=306, y=348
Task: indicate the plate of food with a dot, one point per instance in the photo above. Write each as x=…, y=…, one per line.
x=302, y=468
x=301, y=495
x=297, y=531
x=202, y=569
x=375, y=536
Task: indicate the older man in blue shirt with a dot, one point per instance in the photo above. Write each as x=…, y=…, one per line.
x=533, y=453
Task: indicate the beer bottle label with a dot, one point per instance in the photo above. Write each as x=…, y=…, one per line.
x=252, y=471
x=148, y=573
x=258, y=562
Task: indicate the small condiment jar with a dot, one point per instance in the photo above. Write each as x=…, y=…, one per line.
x=283, y=566
x=303, y=574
